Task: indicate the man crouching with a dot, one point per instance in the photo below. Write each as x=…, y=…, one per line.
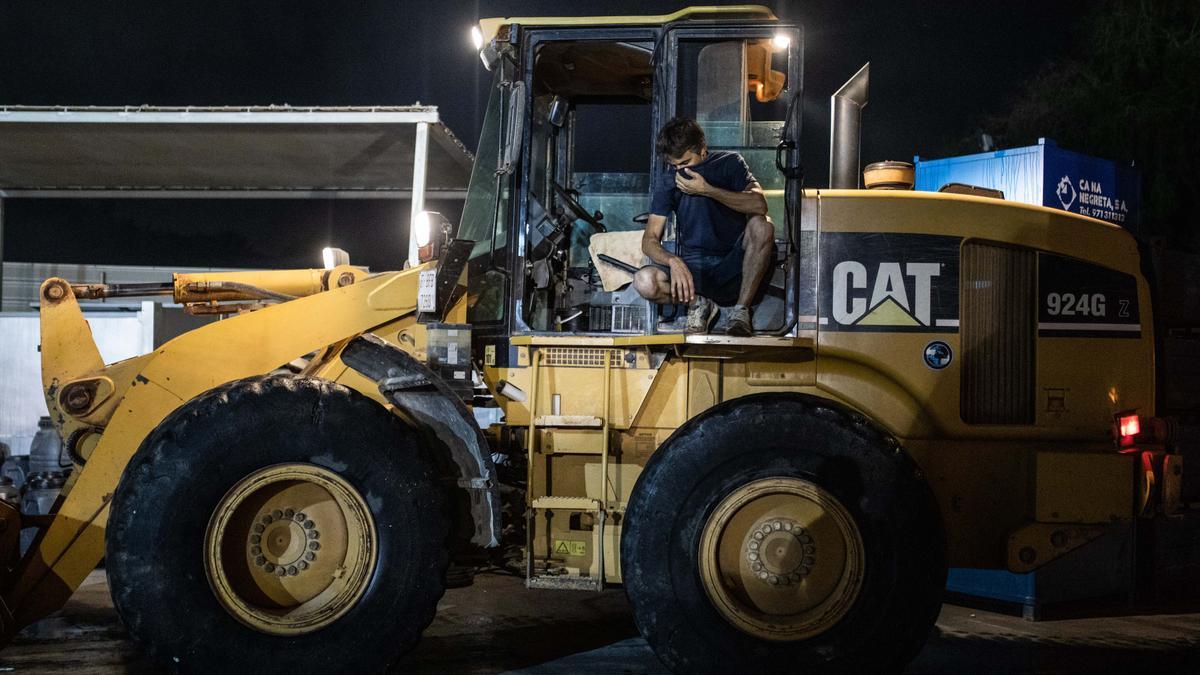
x=724, y=239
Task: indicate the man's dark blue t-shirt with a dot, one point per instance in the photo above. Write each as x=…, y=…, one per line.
x=705, y=226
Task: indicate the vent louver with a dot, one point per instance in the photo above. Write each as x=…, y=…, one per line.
x=998, y=324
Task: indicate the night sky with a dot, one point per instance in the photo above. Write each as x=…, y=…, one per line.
x=936, y=69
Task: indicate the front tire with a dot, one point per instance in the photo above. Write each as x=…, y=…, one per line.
x=778, y=533
x=278, y=524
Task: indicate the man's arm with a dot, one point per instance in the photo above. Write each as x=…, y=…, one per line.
x=750, y=201
x=682, y=287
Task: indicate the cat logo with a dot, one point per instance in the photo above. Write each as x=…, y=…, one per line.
x=893, y=283
x=899, y=293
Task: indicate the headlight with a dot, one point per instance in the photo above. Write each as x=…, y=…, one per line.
x=781, y=41
x=422, y=229
x=431, y=230
x=477, y=37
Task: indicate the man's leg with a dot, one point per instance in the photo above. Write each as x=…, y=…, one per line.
x=654, y=284
x=759, y=242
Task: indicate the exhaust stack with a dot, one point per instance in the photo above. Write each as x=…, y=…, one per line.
x=845, y=124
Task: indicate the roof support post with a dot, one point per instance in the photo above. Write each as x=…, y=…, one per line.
x=420, y=154
x=1, y=254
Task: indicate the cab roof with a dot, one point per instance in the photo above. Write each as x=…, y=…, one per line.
x=489, y=27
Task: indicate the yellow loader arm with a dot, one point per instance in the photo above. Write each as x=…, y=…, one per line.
x=111, y=409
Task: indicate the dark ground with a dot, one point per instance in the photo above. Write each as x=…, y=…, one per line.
x=497, y=626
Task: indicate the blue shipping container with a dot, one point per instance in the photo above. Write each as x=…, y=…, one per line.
x=1047, y=175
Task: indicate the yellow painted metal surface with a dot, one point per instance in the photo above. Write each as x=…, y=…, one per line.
x=154, y=385
x=882, y=373
x=1083, y=487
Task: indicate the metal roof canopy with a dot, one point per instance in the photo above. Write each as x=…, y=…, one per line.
x=264, y=152
x=271, y=152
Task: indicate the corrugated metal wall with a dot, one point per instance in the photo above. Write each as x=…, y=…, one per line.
x=119, y=335
x=23, y=279
x=1017, y=173
x=998, y=328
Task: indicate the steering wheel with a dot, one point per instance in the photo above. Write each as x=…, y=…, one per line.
x=576, y=209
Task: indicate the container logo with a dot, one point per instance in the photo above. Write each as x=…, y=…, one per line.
x=1066, y=193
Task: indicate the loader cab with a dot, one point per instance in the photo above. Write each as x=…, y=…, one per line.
x=566, y=162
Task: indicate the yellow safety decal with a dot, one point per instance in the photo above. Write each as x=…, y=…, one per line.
x=569, y=547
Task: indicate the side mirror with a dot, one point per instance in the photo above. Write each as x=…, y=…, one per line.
x=515, y=130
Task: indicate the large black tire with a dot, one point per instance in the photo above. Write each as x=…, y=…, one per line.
x=788, y=435
x=168, y=492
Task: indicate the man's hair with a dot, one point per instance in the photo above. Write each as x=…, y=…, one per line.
x=679, y=135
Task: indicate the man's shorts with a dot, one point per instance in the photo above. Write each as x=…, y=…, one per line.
x=717, y=277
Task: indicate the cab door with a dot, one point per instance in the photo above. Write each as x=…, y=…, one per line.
x=743, y=84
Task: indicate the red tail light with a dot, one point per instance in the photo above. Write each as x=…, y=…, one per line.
x=1129, y=425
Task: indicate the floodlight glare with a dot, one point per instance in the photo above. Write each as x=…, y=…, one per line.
x=422, y=229
x=332, y=257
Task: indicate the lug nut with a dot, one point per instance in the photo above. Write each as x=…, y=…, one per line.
x=300, y=517
x=260, y=561
x=258, y=528
x=303, y=565
x=270, y=567
x=308, y=524
x=279, y=571
x=310, y=556
x=255, y=550
x=314, y=534
x=255, y=538
x=314, y=546
x=292, y=571
x=288, y=513
x=266, y=520
x=277, y=514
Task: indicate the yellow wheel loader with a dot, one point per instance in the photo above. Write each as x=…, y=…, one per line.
x=934, y=380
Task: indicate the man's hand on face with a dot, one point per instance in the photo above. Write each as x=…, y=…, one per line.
x=691, y=183
x=682, y=287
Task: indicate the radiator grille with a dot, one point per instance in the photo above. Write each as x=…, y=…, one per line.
x=998, y=326
x=581, y=356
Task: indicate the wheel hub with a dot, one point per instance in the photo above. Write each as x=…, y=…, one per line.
x=759, y=561
x=284, y=542
x=290, y=548
x=780, y=551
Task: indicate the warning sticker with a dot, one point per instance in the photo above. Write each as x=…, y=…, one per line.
x=569, y=547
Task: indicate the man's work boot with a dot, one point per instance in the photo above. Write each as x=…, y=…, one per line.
x=739, y=323
x=701, y=314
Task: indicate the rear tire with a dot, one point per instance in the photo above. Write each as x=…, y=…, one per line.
x=193, y=582
x=858, y=567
